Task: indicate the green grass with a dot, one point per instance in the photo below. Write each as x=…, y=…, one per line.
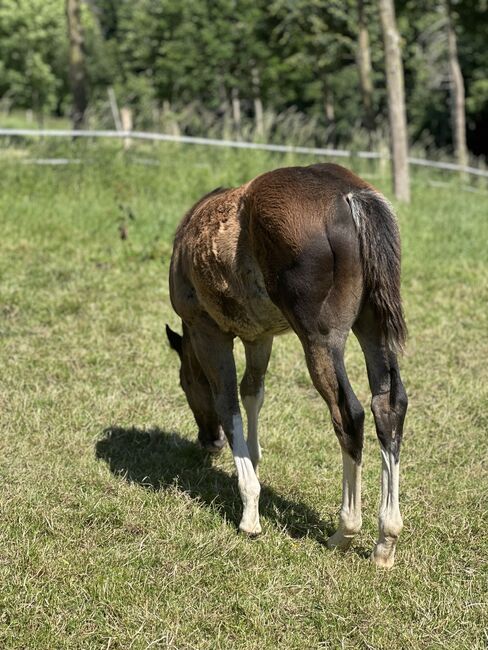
x=116, y=531
x=22, y=120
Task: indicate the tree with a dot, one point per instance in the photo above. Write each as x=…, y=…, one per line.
x=301, y=71
x=364, y=67
x=32, y=54
x=77, y=74
x=471, y=30
x=456, y=87
x=314, y=43
x=396, y=101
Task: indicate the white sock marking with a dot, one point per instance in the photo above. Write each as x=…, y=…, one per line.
x=248, y=483
x=390, y=517
x=350, y=520
x=390, y=520
x=351, y=494
x=252, y=404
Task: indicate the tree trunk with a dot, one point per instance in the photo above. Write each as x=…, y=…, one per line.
x=258, y=104
x=169, y=119
x=456, y=86
x=364, y=68
x=329, y=110
x=77, y=75
x=259, y=116
x=236, y=111
x=114, y=108
x=329, y=105
x=396, y=101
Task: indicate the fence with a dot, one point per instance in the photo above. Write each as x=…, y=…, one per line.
x=236, y=144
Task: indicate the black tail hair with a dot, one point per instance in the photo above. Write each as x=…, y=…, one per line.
x=379, y=240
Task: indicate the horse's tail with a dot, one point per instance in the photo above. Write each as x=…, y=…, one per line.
x=379, y=240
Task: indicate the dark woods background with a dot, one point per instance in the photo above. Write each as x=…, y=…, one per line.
x=300, y=71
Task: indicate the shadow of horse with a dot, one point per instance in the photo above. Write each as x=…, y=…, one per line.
x=157, y=460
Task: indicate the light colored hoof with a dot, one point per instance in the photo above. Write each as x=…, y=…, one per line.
x=347, y=531
x=383, y=557
x=252, y=530
x=340, y=541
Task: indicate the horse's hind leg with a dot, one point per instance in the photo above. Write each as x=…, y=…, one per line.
x=252, y=390
x=214, y=351
x=325, y=362
x=320, y=295
x=389, y=406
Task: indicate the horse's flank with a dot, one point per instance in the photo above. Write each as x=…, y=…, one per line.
x=215, y=270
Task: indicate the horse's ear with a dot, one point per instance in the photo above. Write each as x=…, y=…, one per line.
x=175, y=340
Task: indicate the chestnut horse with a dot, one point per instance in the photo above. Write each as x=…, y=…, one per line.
x=313, y=249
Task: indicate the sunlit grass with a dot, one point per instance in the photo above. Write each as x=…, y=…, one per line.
x=116, y=531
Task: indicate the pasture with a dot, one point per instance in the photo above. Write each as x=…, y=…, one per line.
x=117, y=531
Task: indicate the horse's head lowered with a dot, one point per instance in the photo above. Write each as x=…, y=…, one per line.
x=198, y=393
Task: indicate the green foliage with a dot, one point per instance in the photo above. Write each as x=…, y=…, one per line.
x=178, y=64
x=33, y=53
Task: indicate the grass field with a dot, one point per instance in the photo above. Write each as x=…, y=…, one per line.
x=117, y=532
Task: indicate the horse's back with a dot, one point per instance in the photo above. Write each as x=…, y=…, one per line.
x=234, y=245
x=296, y=203
x=299, y=220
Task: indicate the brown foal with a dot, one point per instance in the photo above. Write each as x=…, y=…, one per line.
x=315, y=249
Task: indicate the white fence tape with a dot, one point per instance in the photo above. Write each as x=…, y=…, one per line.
x=236, y=144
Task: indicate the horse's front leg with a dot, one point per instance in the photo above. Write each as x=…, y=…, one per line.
x=214, y=350
x=252, y=390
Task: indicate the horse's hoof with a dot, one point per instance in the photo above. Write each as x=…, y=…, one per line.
x=382, y=559
x=250, y=531
x=214, y=446
x=339, y=541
